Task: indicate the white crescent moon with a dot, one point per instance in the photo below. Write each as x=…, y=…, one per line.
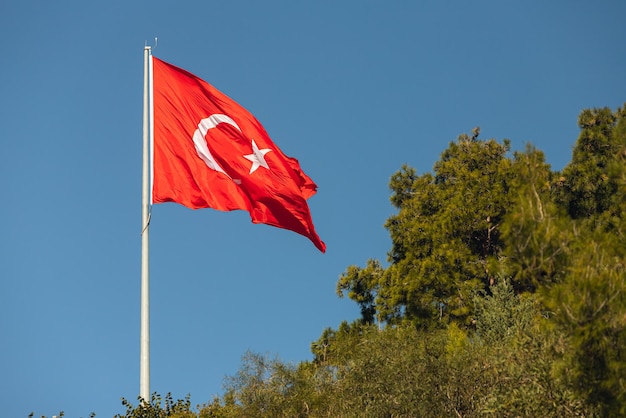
x=200, y=143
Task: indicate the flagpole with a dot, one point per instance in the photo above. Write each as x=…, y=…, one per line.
x=144, y=366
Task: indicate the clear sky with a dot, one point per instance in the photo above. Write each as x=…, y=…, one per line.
x=352, y=89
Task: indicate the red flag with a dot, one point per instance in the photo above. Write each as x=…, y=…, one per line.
x=209, y=152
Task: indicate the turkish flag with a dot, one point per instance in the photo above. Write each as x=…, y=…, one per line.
x=209, y=152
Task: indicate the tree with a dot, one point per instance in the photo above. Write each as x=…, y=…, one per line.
x=362, y=286
x=445, y=238
x=590, y=302
x=590, y=307
x=535, y=231
x=589, y=183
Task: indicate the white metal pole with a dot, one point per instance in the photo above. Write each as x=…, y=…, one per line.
x=144, y=372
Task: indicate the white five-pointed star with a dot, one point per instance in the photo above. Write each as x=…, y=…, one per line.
x=257, y=157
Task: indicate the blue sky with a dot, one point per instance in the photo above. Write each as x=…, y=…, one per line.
x=352, y=89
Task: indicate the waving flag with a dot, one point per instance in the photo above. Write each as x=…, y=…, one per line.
x=210, y=152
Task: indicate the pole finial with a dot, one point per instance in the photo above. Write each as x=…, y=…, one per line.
x=148, y=47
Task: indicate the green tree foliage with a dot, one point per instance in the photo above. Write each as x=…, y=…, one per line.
x=559, y=234
x=590, y=182
x=362, y=286
x=535, y=231
x=503, y=370
x=158, y=407
x=590, y=303
x=446, y=232
x=591, y=310
x=445, y=238
x=501, y=314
